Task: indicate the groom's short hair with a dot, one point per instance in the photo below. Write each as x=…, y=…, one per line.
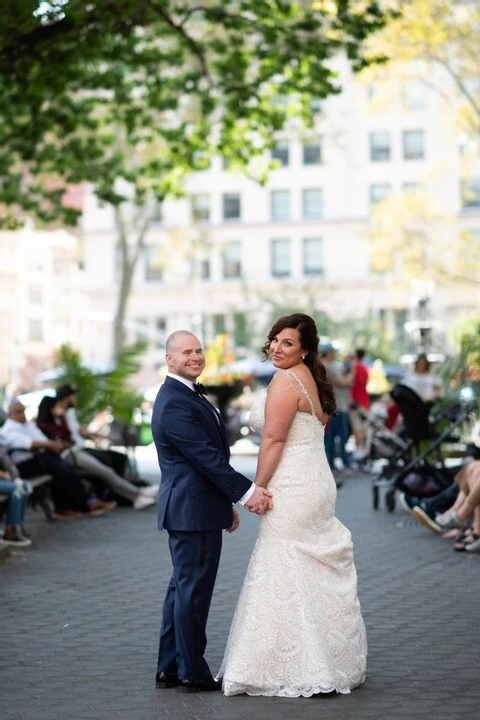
x=172, y=339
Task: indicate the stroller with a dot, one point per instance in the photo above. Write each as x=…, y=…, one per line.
x=416, y=470
x=381, y=443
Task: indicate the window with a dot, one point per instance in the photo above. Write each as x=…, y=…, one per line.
x=160, y=332
x=219, y=325
x=379, y=192
x=153, y=263
x=470, y=190
x=241, y=335
x=379, y=146
x=280, y=258
x=413, y=188
x=281, y=153
x=200, y=268
x=204, y=268
x=232, y=260
x=414, y=94
x=35, y=295
x=200, y=207
x=413, y=144
x=312, y=153
x=316, y=105
x=35, y=330
x=312, y=203
x=231, y=206
x=280, y=204
x=313, y=256
x=141, y=329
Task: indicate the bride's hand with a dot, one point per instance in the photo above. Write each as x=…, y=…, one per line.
x=235, y=523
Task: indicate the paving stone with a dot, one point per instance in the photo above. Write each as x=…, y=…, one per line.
x=81, y=611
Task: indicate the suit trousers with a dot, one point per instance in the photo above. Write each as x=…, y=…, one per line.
x=195, y=557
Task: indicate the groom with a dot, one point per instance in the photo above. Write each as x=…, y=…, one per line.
x=197, y=491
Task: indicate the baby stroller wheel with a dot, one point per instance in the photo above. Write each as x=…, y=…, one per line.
x=375, y=494
x=390, y=500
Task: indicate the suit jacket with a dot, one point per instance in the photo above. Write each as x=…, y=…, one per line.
x=198, y=485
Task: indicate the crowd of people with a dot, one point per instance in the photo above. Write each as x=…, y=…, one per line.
x=84, y=480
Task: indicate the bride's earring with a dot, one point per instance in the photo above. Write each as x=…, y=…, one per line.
x=303, y=357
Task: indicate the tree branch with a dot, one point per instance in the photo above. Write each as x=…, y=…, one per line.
x=194, y=46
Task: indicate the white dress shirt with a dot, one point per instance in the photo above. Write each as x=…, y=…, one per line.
x=245, y=498
x=21, y=436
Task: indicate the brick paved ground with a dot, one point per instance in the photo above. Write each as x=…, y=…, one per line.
x=80, y=616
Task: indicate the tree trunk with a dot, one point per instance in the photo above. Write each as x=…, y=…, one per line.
x=131, y=250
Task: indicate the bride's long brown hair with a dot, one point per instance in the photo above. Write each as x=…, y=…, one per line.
x=309, y=341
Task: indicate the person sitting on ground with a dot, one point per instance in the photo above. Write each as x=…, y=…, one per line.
x=24, y=439
x=51, y=420
x=427, y=385
x=17, y=492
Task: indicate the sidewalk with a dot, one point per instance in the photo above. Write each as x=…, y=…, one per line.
x=81, y=610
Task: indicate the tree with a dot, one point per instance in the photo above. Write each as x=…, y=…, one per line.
x=132, y=96
x=439, y=40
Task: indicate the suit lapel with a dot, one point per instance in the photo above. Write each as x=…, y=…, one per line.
x=219, y=424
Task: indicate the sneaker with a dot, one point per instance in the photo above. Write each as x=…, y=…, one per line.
x=408, y=502
x=425, y=519
x=359, y=454
x=98, y=507
x=474, y=545
x=450, y=520
x=142, y=501
x=17, y=541
x=150, y=491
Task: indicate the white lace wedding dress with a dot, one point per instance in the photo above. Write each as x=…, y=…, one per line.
x=297, y=628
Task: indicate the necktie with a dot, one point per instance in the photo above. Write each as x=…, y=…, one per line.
x=199, y=389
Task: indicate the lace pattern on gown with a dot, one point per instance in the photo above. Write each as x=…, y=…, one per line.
x=297, y=628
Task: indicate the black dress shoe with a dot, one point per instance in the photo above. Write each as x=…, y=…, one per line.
x=165, y=680
x=199, y=685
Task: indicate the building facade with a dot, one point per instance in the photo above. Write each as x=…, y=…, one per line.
x=41, y=302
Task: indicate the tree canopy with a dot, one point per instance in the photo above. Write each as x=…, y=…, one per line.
x=145, y=90
x=439, y=42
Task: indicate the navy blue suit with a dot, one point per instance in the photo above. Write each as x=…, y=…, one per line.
x=197, y=491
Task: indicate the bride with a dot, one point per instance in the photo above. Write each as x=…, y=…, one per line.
x=297, y=629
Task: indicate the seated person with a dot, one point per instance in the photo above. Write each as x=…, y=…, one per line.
x=24, y=439
x=51, y=420
x=66, y=395
x=454, y=509
x=17, y=491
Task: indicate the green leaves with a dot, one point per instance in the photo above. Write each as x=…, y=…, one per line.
x=99, y=90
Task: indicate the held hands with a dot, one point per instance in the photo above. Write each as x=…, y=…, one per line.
x=56, y=446
x=260, y=501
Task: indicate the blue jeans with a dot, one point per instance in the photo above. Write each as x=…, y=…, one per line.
x=17, y=501
x=337, y=428
x=441, y=502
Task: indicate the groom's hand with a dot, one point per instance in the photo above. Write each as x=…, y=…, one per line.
x=235, y=523
x=260, y=501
